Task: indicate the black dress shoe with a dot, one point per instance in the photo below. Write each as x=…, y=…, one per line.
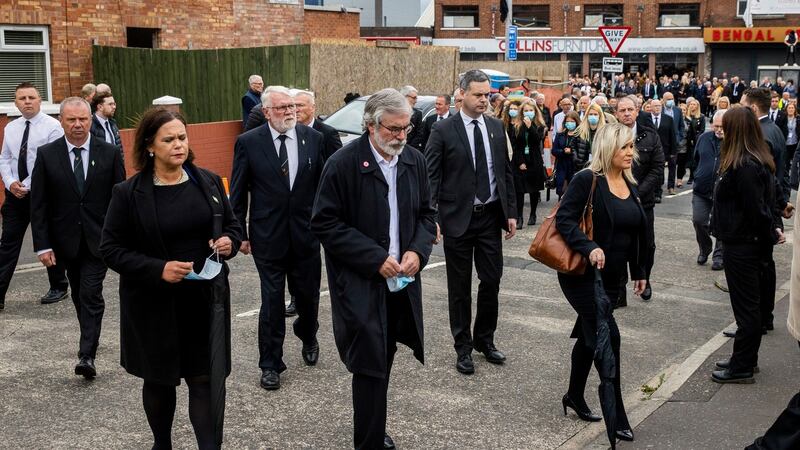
x=520, y=223
x=291, y=310
x=584, y=414
x=732, y=334
x=726, y=376
x=54, y=296
x=717, y=265
x=532, y=219
x=2, y=306
x=86, y=368
x=647, y=294
x=658, y=199
x=311, y=353
x=726, y=364
x=270, y=379
x=769, y=327
x=465, y=365
x=702, y=259
x=493, y=355
x=625, y=435
x=388, y=443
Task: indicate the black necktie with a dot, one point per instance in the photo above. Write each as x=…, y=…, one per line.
x=22, y=160
x=656, y=121
x=772, y=116
x=481, y=166
x=283, y=157
x=110, y=133
x=77, y=167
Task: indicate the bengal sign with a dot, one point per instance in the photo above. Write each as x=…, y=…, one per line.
x=755, y=35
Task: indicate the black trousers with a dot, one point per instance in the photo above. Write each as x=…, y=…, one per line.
x=682, y=160
x=86, y=274
x=303, y=275
x=651, y=241
x=784, y=434
x=16, y=214
x=701, y=219
x=370, y=393
x=791, y=54
x=750, y=273
x=483, y=240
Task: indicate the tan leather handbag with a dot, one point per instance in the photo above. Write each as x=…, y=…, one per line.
x=549, y=248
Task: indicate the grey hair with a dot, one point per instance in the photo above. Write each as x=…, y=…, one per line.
x=308, y=94
x=472, y=76
x=254, y=78
x=74, y=101
x=384, y=101
x=405, y=90
x=599, y=100
x=719, y=113
x=266, y=101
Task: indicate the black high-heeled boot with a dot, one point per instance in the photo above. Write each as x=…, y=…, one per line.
x=584, y=414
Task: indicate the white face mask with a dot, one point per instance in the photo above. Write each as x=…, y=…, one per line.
x=210, y=269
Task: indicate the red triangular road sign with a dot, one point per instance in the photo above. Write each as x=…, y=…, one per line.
x=614, y=37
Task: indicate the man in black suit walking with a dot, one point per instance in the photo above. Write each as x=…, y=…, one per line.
x=472, y=185
x=415, y=136
x=72, y=182
x=666, y=132
x=442, y=111
x=104, y=127
x=277, y=168
x=737, y=89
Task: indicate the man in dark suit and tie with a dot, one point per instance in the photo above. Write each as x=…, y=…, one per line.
x=441, y=111
x=778, y=115
x=648, y=90
x=104, y=127
x=666, y=132
x=277, y=168
x=72, y=182
x=737, y=89
x=473, y=188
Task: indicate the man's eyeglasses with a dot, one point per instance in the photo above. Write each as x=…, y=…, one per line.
x=397, y=130
x=284, y=108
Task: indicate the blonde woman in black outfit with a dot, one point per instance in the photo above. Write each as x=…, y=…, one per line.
x=619, y=241
x=746, y=221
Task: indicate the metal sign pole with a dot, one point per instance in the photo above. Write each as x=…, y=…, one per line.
x=509, y=22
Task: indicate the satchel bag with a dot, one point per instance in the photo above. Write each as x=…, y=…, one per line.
x=549, y=248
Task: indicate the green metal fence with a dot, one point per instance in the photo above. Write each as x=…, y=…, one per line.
x=210, y=82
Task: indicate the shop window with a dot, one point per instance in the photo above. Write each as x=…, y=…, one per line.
x=24, y=56
x=459, y=17
x=741, y=6
x=532, y=16
x=602, y=15
x=142, y=37
x=679, y=15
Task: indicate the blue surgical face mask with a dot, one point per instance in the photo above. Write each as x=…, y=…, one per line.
x=513, y=113
x=398, y=283
x=210, y=269
x=593, y=120
x=670, y=103
x=570, y=126
x=530, y=114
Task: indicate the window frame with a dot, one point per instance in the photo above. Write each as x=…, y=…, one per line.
x=660, y=25
x=44, y=48
x=476, y=24
x=548, y=27
x=742, y=3
x=603, y=5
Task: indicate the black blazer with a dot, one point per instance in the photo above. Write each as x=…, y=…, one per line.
x=133, y=246
x=781, y=121
x=452, y=172
x=278, y=217
x=648, y=91
x=666, y=132
x=255, y=119
x=414, y=138
x=351, y=219
x=60, y=215
x=330, y=138
x=427, y=124
x=99, y=133
x=569, y=215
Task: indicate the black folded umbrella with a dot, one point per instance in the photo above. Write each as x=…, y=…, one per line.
x=604, y=359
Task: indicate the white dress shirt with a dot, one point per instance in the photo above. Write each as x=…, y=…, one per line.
x=773, y=114
x=84, y=155
x=656, y=120
x=389, y=169
x=44, y=129
x=291, y=150
x=440, y=117
x=558, y=120
x=106, y=128
x=488, y=150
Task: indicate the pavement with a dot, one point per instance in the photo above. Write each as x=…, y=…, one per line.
x=667, y=343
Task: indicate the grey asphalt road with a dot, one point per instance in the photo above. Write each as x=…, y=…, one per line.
x=515, y=406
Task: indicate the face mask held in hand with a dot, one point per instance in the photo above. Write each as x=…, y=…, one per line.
x=210, y=269
x=398, y=283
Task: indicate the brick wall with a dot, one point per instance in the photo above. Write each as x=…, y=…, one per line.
x=182, y=24
x=330, y=25
x=722, y=13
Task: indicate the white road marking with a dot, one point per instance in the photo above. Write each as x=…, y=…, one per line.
x=678, y=195
x=253, y=312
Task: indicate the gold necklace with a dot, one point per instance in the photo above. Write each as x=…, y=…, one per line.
x=159, y=182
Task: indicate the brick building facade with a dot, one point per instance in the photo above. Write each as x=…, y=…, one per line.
x=667, y=36
x=70, y=29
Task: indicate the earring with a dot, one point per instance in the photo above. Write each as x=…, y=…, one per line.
x=151, y=154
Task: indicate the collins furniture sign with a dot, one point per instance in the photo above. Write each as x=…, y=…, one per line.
x=755, y=35
x=576, y=45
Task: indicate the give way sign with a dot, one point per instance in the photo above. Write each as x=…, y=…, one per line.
x=614, y=37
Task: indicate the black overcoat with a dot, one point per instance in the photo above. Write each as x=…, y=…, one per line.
x=133, y=247
x=351, y=220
